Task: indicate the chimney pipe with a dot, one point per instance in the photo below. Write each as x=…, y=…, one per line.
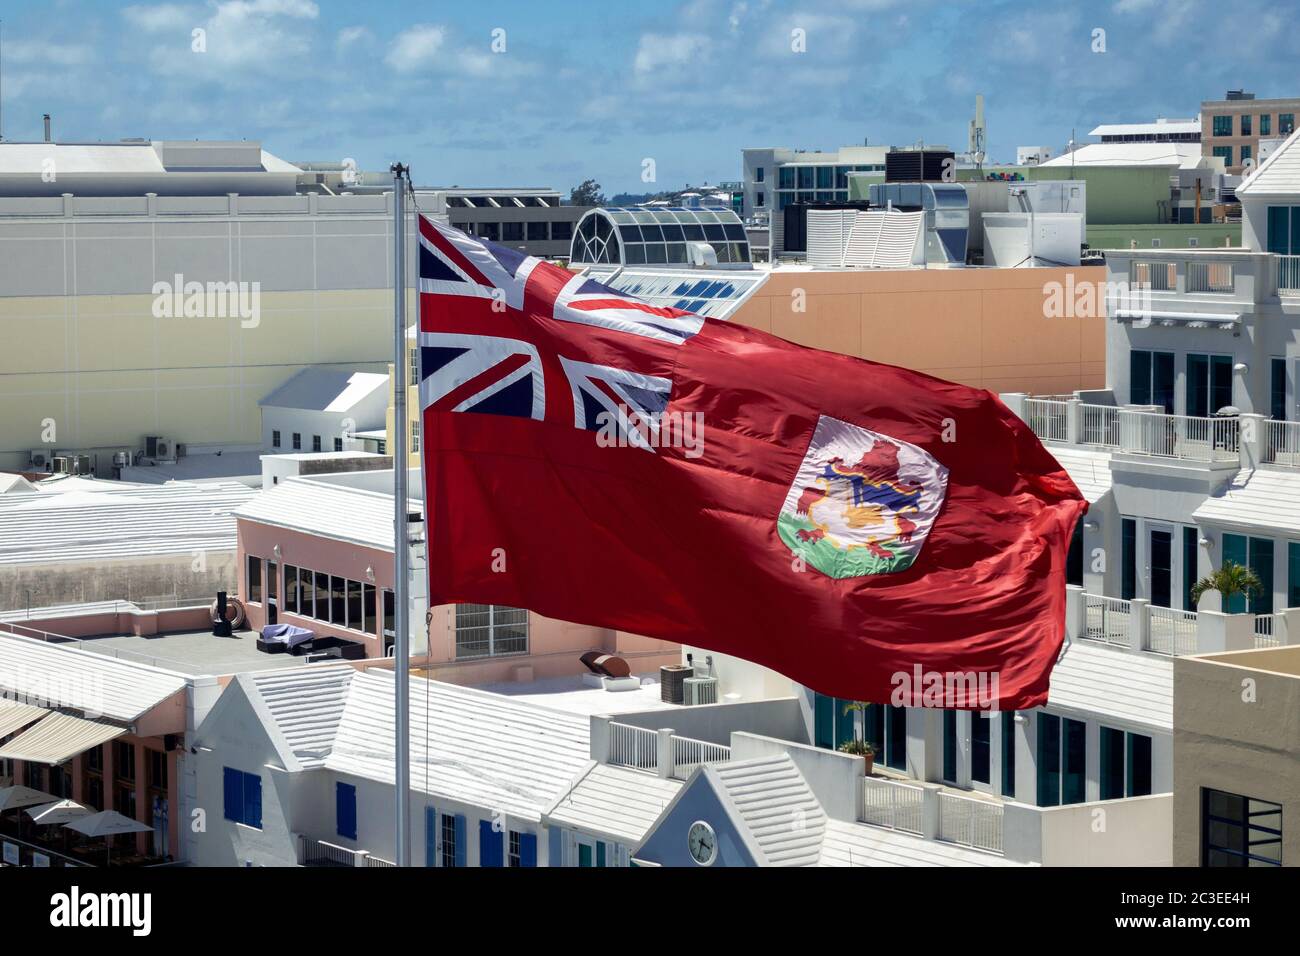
x=47, y=127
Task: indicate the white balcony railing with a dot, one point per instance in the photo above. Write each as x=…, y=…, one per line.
x=634, y=747
x=689, y=754
x=1288, y=275
x=1099, y=425
x=888, y=803
x=1106, y=619
x=1049, y=418
x=1209, y=277
x=1185, y=437
x=1171, y=631
x=1265, y=632
x=970, y=822
x=1282, y=443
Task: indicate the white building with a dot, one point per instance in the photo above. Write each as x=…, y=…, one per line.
x=323, y=409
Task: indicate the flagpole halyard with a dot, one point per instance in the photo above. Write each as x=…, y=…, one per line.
x=401, y=529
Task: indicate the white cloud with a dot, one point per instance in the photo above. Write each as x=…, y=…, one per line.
x=658, y=50
x=350, y=36
x=56, y=54
x=416, y=48
x=161, y=17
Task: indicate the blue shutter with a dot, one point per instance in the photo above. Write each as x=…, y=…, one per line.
x=253, y=800
x=490, y=845
x=345, y=810
x=528, y=849
x=460, y=839
x=232, y=782
x=430, y=836
x=600, y=853
x=555, y=847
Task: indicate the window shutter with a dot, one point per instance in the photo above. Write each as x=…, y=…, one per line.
x=600, y=853
x=460, y=839
x=490, y=844
x=430, y=836
x=555, y=847
x=253, y=800
x=528, y=849
x=233, y=786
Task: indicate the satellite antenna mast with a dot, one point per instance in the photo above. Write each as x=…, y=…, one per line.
x=978, y=135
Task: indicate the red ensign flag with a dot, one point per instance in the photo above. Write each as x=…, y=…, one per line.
x=872, y=532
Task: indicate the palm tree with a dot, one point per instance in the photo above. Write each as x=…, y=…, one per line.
x=1229, y=580
x=859, y=744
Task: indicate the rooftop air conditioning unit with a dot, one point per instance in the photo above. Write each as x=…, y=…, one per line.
x=62, y=465
x=702, y=255
x=159, y=448
x=700, y=690
x=40, y=459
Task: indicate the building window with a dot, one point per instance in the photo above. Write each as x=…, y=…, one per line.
x=513, y=858
x=275, y=438
x=1246, y=153
x=1223, y=126
x=354, y=606
x=243, y=797
x=537, y=232
x=1009, y=754
x=1245, y=125
x=1209, y=384
x=1256, y=554
x=1190, y=552
x=561, y=231
x=338, y=601
x=886, y=731
x=1265, y=124
x=785, y=178
x=981, y=756
x=512, y=231
x=297, y=442
x=415, y=437
x=950, y=746
x=1285, y=124
x=315, y=442
x=254, y=579
x=338, y=444
x=1284, y=237
x=345, y=810
x=1128, y=559
x=1239, y=831
x=1062, y=760
x=1293, y=574
x=1225, y=153
x=1151, y=379
x=291, y=588
x=451, y=849
x=758, y=174
x=367, y=608
x=1074, y=559
x=759, y=200
x=490, y=630
x=1277, y=389
x=1125, y=764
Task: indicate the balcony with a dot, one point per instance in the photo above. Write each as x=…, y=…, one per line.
x=1140, y=431
x=1288, y=275
x=660, y=752
x=1141, y=626
x=322, y=853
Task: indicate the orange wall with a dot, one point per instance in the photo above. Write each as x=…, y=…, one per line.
x=982, y=327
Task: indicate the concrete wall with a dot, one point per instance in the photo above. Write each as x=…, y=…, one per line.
x=1169, y=235
x=988, y=328
x=1133, y=832
x=714, y=723
x=120, y=579
x=1116, y=194
x=835, y=778
x=1236, y=729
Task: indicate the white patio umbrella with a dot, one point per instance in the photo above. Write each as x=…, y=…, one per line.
x=107, y=823
x=61, y=811
x=15, y=798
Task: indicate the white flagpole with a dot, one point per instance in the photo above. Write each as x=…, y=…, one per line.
x=401, y=529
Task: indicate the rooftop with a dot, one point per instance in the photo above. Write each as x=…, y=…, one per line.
x=1169, y=126
x=1181, y=155
x=572, y=694
x=1279, y=175
x=1256, y=499
x=616, y=802
x=192, y=653
x=303, y=708
x=321, y=389
x=331, y=510
x=1119, y=684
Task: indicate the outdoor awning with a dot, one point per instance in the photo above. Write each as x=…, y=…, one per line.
x=14, y=716
x=1196, y=320
x=58, y=738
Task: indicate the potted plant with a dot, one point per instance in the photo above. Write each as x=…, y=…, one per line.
x=1230, y=580
x=859, y=745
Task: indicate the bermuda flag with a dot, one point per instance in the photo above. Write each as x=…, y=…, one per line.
x=863, y=529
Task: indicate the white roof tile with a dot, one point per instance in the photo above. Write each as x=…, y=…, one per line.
x=857, y=844
x=306, y=705
x=96, y=685
x=339, y=512
x=478, y=748
x=1261, y=499
x=1130, y=687
x=1088, y=469
x=1279, y=175
x=173, y=518
x=614, y=802
x=1184, y=155
x=778, y=808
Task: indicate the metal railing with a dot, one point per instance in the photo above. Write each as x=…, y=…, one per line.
x=1099, y=425
x=689, y=753
x=897, y=806
x=1106, y=619
x=1265, y=633
x=1155, y=276
x=1179, y=436
x=379, y=862
x=634, y=747
x=1288, y=275
x=321, y=853
x=1171, y=631
x=1209, y=277
x=970, y=822
x=28, y=852
x=1282, y=443
x=1048, y=418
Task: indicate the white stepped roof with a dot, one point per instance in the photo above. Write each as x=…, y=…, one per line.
x=857, y=844
x=1116, y=684
x=778, y=808
x=467, y=745
x=106, y=159
x=1256, y=500
x=1089, y=470
x=323, y=389
x=118, y=522
x=1179, y=155
x=614, y=802
x=1172, y=126
x=334, y=511
x=54, y=675
x=305, y=705
x=1279, y=175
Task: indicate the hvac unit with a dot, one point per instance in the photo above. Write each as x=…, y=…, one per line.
x=159, y=448
x=61, y=465
x=699, y=690
x=180, y=450
x=40, y=459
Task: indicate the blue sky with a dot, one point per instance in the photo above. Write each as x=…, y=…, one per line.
x=591, y=89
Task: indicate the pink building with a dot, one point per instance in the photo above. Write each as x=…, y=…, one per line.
x=317, y=552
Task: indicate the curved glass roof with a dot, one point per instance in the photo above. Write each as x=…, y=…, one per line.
x=633, y=235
